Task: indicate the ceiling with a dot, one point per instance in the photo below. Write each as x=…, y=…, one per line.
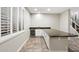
x=54, y=10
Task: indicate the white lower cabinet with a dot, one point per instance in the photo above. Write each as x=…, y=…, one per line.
x=54, y=44
x=58, y=44
x=38, y=32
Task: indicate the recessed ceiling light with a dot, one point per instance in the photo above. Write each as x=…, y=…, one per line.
x=48, y=9
x=35, y=9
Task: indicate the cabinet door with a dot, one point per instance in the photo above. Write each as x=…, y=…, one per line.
x=59, y=44
x=38, y=32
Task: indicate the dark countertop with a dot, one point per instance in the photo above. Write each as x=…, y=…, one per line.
x=58, y=33
x=40, y=27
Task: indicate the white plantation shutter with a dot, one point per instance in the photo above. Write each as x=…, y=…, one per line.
x=14, y=19
x=5, y=21
x=20, y=19
x=11, y=20
x=23, y=20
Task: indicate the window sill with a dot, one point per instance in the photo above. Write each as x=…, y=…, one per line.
x=9, y=37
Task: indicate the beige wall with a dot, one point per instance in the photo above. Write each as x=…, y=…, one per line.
x=45, y=20
x=51, y=20
x=64, y=21
x=27, y=19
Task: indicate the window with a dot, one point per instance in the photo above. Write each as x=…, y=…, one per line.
x=5, y=21
x=14, y=19
x=23, y=20
x=19, y=19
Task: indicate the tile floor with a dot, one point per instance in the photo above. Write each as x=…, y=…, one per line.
x=35, y=44
x=74, y=45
